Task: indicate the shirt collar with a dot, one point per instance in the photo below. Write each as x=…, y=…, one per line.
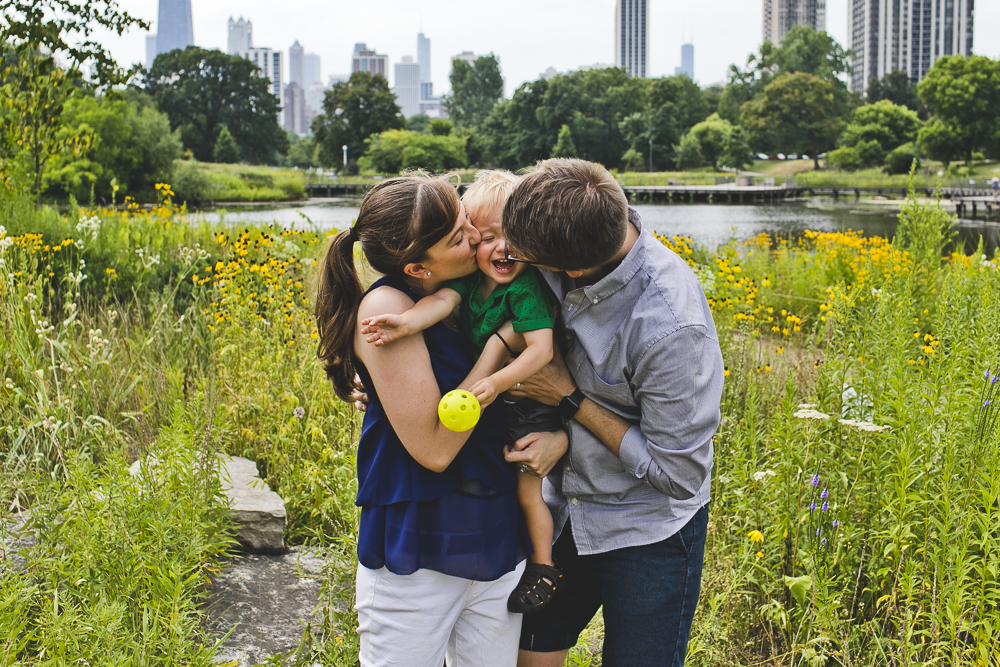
x=623, y=273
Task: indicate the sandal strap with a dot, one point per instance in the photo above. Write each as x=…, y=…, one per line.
x=546, y=571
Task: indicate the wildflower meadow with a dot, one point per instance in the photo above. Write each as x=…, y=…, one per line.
x=855, y=517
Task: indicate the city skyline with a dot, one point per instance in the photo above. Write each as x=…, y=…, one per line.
x=725, y=32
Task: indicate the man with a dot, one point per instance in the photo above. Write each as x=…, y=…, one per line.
x=640, y=389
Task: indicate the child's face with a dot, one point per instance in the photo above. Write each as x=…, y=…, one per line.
x=489, y=255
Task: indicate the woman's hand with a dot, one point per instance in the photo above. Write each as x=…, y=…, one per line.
x=538, y=453
x=549, y=385
x=359, y=395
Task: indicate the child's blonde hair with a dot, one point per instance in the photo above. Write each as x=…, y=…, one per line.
x=489, y=191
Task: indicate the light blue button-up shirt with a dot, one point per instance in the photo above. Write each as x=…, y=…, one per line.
x=642, y=343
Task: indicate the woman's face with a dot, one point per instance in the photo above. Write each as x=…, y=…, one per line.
x=454, y=256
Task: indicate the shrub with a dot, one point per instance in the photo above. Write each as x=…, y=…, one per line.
x=901, y=159
x=845, y=158
x=395, y=150
x=192, y=184
x=871, y=153
x=226, y=150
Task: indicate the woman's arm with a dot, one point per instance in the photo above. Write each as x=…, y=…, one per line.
x=404, y=378
x=427, y=312
x=534, y=357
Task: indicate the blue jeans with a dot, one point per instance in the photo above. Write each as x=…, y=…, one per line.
x=649, y=594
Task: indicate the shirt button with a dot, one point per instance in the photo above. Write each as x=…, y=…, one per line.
x=574, y=501
x=569, y=468
x=595, y=300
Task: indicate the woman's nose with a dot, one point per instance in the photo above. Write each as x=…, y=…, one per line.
x=474, y=236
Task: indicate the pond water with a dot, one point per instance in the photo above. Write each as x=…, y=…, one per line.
x=706, y=224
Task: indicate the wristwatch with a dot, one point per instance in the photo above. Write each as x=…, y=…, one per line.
x=569, y=406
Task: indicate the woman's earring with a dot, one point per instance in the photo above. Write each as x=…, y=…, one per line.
x=428, y=273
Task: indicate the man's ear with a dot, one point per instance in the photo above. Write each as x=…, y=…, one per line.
x=415, y=270
x=574, y=274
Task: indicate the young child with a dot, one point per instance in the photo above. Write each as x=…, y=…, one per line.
x=502, y=290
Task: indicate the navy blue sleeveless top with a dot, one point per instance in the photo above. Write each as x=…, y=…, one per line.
x=464, y=521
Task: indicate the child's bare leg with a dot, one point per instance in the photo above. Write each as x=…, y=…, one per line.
x=537, y=516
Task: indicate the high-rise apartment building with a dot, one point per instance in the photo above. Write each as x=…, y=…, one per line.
x=240, y=36
x=908, y=35
x=467, y=56
x=311, y=69
x=781, y=15
x=296, y=64
x=632, y=36
x=295, y=109
x=687, y=62
x=407, y=86
x=424, y=56
x=367, y=60
x=174, y=28
x=270, y=64
x=150, y=50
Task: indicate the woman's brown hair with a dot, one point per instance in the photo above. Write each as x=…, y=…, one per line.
x=400, y=220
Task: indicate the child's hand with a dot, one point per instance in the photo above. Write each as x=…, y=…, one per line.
x=383, y=329
x=485, y=390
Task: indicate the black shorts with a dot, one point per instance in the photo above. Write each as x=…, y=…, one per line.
x=529, y=416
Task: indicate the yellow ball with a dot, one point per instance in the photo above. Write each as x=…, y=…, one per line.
x=459, y=410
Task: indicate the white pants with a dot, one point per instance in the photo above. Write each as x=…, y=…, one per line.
x=427, y=618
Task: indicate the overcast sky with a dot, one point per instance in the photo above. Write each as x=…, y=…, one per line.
x=527, y=35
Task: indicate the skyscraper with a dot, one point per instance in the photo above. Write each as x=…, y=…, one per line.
x=407, y=86
x=781, y=15
x=366, y=60
x=174, y=28
x=908, y=35
x=150, y=50
x=240, y=36
x=270, y=64
x=687, y=61
x=311, y=69
x=424, y=56
x=632, y=36
x=296, y=66
x=295, y=109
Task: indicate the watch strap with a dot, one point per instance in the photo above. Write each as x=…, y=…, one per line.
x=570, y=405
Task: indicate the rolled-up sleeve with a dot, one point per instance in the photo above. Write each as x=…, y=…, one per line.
x=678, y=384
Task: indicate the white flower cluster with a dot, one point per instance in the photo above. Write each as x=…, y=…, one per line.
x=148, y=259
x=43, y=327
x=98, y=346
x=30, y=297
x=189, y=255
x=5, y=241
x=112, y=316
x=9, y=384
x=810, y=413
x=89, y=227
x=985, y=261
x=65, y=367
x=50, y=424
x=868, y=427
x=762, y=475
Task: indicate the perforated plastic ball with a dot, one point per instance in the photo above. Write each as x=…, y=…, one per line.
x=459, y=410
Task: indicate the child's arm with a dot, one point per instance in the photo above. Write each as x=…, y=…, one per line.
x=425, y=313
x=533, y=359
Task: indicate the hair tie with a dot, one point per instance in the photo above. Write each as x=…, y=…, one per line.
x=353, y=232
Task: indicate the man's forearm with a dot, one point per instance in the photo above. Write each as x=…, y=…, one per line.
x=606, y=425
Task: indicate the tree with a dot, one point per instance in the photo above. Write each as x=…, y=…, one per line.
x=475, y=89
x=712, y=135
x=201, y=90
x=395, y=150
x=891, y=124
x=897, y=88
x=354, y=110
x=940, y=142
x=441, y=127
x=672, y=106
x=964, y=94
x=796, y=110
x=418, y=123
x=737, y=153
x=689, y=152
x=301, y=152
x=564, y=144
x=226, y=151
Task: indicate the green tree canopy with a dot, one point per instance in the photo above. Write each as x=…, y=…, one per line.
x=940, y=141
x=418, y=123
x=897, y=88
x=475, y=89
x=888, y=123
x=301, y=152
x=719, y=142
x=564, y=143
x=354, y=110
x=441, y=127
x=226, y=151
x=201, y=90
x=395, y=150
x=964, y=94
x=796, y=110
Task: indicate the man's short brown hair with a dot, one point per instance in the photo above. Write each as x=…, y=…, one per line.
x=567, y=214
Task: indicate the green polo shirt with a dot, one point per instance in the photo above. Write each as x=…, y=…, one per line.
x=526, y=300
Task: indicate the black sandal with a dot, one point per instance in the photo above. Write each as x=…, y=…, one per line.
x=533, y=592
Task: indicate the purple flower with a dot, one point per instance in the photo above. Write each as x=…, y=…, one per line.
x=299, y=413
x=986, y=404
x=826, y=506
x=836, y=522
x=825, y=493
x=816, y=479
x=812, y=506
x=993, y=380
x=819, y=531
x=824, y=541
x=987, y=374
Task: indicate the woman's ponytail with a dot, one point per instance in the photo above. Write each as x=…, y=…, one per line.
x=338, y=296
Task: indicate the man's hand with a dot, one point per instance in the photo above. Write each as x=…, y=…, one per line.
x=549, y=385
x=359, y=395
x=485, y=390
x=383, y=329
x=540, y=452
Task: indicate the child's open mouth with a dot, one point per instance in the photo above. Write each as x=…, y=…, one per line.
x=503, y=266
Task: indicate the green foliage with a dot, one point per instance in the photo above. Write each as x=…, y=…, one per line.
x=897, y=88
x=737, y=153
x=302, y=153
x=132, y=147
x=845, y=158
x=475, y=89
x=564, y=144
x=441, y=127
x=393, y=151
x=689, y=155
x=226, y=150
x=963, y=93
x=201, y=90
x=900, y=159
x=890, y=124
x=672, y=106
x=353, y=111
x=712, y=135
x=940, y=141
x=418, y=123
x=797, y=110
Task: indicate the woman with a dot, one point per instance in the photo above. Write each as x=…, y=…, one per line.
x=440, y=543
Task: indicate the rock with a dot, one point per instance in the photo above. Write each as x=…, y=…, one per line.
x=257, y=512
x=266, y=602
x=13, y=540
